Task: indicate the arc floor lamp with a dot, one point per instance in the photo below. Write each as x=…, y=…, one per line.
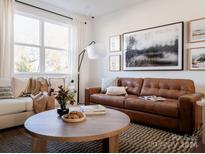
x=95, y=51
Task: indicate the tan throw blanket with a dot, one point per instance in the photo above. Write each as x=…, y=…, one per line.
x=37, y=89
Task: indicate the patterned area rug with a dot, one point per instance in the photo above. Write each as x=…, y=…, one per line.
x=136, y=139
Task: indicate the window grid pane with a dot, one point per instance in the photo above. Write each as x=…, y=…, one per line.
x=56, y=61
x=26, y=59
x=56, y=36
x=26, y=30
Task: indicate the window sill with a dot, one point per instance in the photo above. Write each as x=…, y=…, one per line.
x=41, y=75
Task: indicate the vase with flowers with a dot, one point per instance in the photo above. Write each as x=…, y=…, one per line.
x=65, y=97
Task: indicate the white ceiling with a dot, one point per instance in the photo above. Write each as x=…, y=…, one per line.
x=92, y=7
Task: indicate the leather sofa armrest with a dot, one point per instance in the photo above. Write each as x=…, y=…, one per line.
x=89, y=92
x=189, y=111
x=191, y=97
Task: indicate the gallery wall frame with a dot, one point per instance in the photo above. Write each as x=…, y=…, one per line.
x=133, y=52
x=115, y=43
x=114, y=63
x=196, y=30
x=196, y=59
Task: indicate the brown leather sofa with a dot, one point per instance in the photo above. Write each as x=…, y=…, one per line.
x=178, y=113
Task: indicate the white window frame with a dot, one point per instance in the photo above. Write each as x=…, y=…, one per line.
x=42, y=46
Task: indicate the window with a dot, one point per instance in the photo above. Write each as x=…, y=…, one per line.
x=41, y=45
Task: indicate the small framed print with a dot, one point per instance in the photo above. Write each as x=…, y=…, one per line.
x=197, y=58
x=115, y=43
x=197, y=30
x=115, y=63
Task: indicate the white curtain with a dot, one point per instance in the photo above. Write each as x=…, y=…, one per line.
x=79, y=38
x=6, y=37
x=79, y=29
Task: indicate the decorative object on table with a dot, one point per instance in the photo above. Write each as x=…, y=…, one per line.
x=74, y=116
x=71, y=96
x=115, y=43
x=95, y=51
x=157, y=48
x=93, y=109
x=115, y=63
x=64, y=96
x=197, y=30
x=197, y=58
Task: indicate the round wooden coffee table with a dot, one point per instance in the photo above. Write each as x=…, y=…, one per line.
x=49, y=126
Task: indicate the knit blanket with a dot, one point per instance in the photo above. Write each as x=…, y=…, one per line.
x=37, y=89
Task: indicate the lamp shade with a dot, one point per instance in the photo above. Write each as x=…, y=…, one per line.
x=96, y=51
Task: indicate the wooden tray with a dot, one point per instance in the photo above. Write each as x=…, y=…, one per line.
x=74, y=120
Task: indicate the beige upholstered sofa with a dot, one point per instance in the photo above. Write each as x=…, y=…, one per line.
x=14, y=111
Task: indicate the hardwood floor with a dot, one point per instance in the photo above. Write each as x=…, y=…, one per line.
x=200, y=148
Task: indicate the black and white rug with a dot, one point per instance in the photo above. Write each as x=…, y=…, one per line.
x=136, y=139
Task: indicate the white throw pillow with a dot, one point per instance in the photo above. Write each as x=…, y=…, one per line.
x=19, y=85
x=116, y=91
x=108, y=82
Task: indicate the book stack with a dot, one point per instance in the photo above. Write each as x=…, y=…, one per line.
x=93, y=109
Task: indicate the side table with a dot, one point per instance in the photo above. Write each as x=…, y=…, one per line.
x=202, y=103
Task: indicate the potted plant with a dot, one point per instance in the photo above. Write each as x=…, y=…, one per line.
x=64, y=97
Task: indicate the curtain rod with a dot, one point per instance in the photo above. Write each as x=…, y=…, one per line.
x=44, y=9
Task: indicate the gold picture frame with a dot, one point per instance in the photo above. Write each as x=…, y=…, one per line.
x=196, y=30
x=115, y=43
x=115, y=63
x=197, y=59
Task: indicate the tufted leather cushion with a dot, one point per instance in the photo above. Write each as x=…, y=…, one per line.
x=133, y=85
x=168, y=88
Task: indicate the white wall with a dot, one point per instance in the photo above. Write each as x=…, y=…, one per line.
x=150, y=13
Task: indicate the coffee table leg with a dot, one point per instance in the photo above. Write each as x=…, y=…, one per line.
x=39, y=145
x=111, y=144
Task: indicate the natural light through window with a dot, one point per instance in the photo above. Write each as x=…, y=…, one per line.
x=41, y=45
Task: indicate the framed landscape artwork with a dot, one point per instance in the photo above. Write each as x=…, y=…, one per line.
x=115, y=43
x=157, y=48
x=115, y=63
x=197, y=58
x=197, y=30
